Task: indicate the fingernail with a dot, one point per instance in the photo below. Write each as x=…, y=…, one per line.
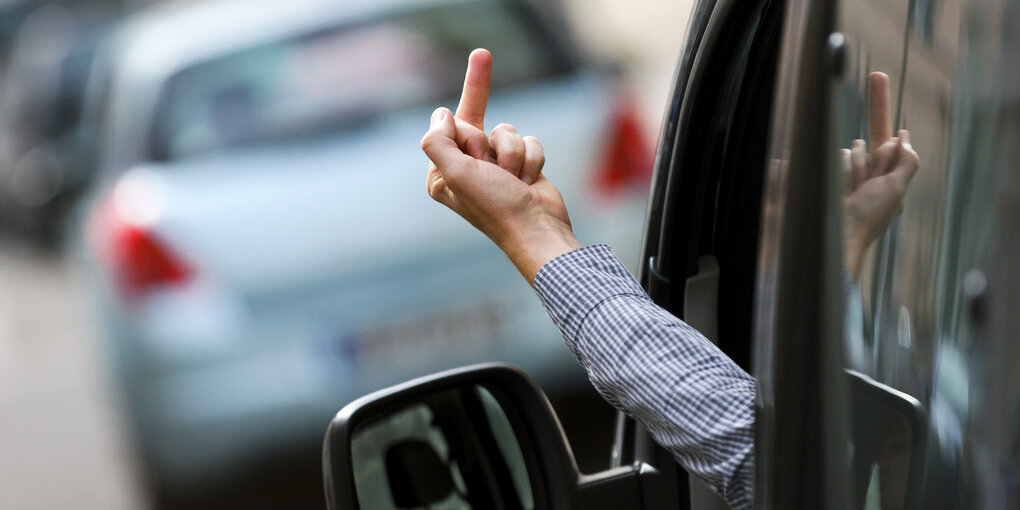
x=527, y=179
x=438, y=116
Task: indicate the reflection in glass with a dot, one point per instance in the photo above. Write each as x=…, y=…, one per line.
x=878, y=165
x=887, y=443
x=877, y=177
x=911, y=323
x=453, y=450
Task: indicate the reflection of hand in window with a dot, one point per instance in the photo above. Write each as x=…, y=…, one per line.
x=877, y=181
x=878, y=185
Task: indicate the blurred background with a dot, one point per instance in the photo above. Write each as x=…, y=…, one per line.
x=214, y=234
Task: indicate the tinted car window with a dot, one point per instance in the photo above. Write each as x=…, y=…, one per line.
x=342, y=75
x=910, y=320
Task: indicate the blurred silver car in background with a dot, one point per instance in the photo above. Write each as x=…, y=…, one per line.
x=263, y=246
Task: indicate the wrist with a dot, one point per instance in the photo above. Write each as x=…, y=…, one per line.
x=852, y=262
x=854, y=248
x=530, y=249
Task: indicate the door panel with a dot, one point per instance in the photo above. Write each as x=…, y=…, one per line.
x=702, y=231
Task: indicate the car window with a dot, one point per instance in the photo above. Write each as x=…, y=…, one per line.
x=339, y=76
x=917, y=234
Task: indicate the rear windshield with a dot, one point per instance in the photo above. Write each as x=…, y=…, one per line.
x=342, y=76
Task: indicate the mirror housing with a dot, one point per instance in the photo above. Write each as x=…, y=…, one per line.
x=459, y=406
x=889, y=433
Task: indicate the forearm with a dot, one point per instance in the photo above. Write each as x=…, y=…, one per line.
x=691, y=397
x=694, y=400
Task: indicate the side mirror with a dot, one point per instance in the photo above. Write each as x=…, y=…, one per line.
x=889, y=434
x=479, y=437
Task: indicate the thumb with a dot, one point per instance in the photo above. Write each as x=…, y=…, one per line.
x=440, y=143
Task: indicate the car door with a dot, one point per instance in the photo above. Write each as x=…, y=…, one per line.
x=701, y=234
x=886, y=365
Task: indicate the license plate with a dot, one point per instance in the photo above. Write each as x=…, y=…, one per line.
x=431, y=339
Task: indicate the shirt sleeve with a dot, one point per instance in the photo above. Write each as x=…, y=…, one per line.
x=693, y=399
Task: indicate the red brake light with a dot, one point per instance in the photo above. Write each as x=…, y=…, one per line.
x=138, y=260
x=627, y=161
x=142, y=262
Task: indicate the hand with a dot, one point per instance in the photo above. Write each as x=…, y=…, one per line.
x=495, y=182
x=876, y=182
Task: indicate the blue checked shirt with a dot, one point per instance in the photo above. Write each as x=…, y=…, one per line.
x=693, y=399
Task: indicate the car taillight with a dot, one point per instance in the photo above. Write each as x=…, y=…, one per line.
x=626, y=163
x=142, y=262
x=138, y=261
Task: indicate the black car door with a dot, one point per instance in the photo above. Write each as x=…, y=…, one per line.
x=701, y=233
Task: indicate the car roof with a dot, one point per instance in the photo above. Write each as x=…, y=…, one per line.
x=165, y=38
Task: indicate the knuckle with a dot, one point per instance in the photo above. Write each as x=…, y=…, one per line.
x=536, y=158
x=513, y=153
x=503, y=126
x=534, y=146
x=476, y=135
x=434, y=189
x=428, y=141
x=476, y=144
x=912, y=158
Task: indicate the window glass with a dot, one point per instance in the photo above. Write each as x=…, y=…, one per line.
x=343, y=75
x=916, y=125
